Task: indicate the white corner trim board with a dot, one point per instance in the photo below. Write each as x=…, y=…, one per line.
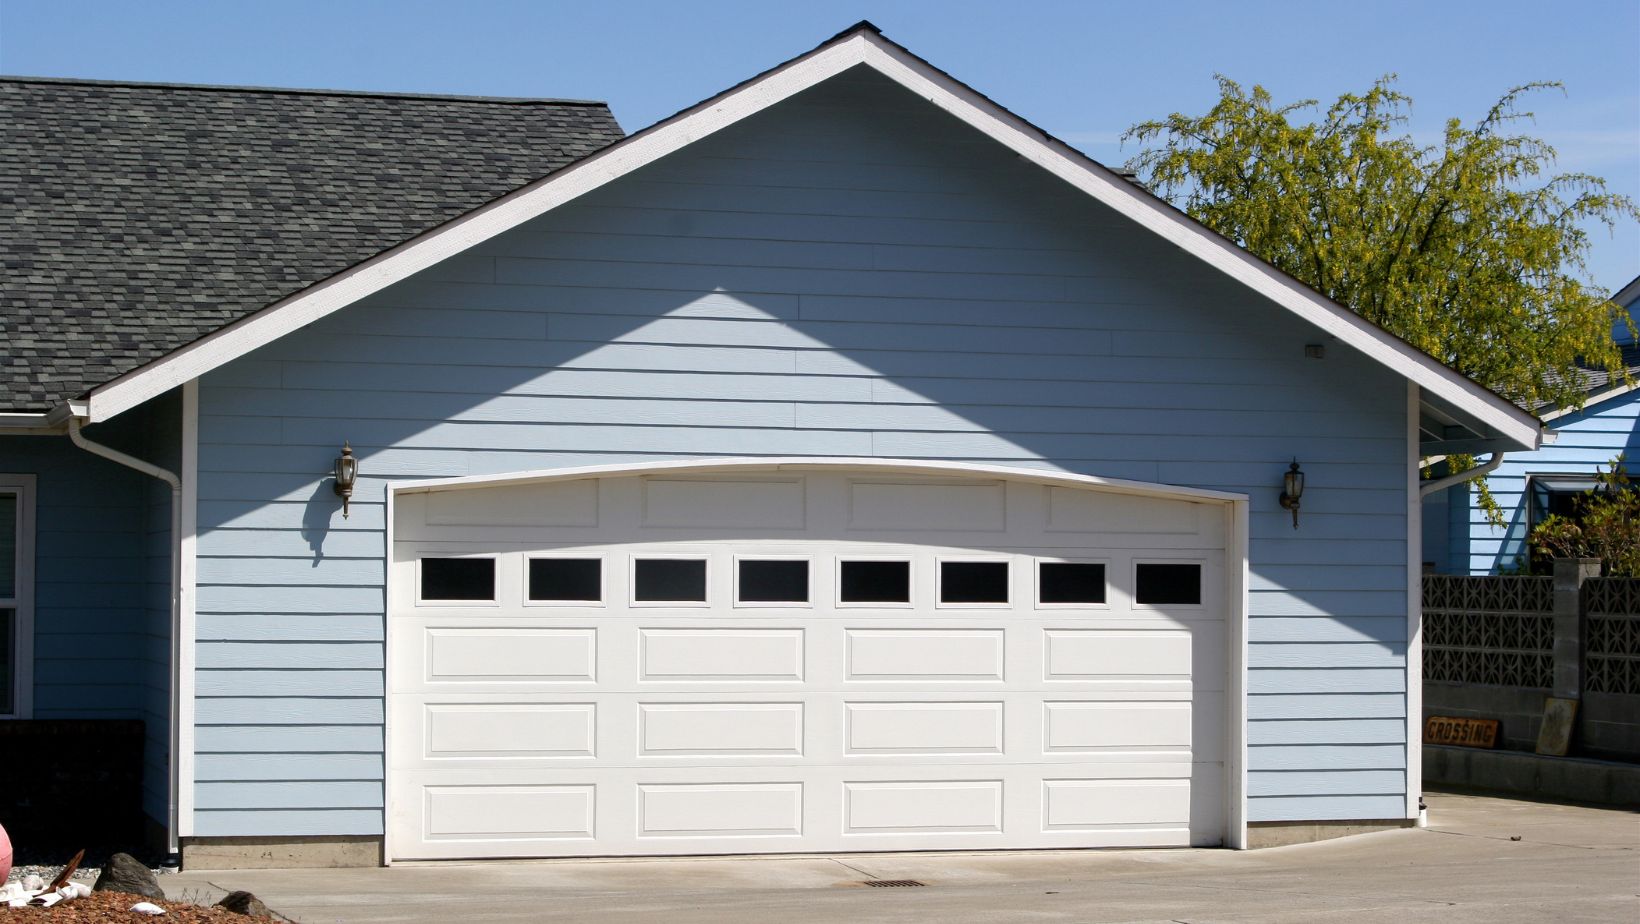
x=1415, y=609
x=862, y=46
x=184, y=645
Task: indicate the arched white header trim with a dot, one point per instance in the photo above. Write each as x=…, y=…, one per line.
x=798, y=463
x=860, y=46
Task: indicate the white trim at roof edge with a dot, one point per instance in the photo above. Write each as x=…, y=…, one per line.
x=862, y=45
x=1590, y=400
x=1629, y=293
x=803, y=463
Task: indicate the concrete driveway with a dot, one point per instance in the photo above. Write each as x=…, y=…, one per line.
x=1568, y=865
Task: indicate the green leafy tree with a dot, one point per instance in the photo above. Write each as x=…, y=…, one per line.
x=1471, y=249
x=1607, y=526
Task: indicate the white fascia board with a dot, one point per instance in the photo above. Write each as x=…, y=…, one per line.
x=898, y=64
x=802, y=463
x=19, y=424
x=1194, y=238
x=1590, y=400
x=1628, y=294
x=471, y=229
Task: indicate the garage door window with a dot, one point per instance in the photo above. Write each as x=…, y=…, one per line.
x=446, y=580
x=1070, y=583
x=1167, y=583
x=669, y=580
x=876, y=583
x=566, y=580
x=974, y=582
x=772, y=581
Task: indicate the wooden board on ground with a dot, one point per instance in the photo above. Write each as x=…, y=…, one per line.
x=1555, y=735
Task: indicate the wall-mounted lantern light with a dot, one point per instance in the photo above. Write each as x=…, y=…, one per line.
x=347, y=472
x=1292, y=488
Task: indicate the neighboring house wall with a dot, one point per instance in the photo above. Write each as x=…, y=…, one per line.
x=1458, y=538
x=1584, y=442
x=850, y=273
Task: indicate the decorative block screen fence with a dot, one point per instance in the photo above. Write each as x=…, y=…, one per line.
x=1496, y=647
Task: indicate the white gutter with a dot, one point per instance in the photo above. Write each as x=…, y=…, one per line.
x=1441, y=484
x=170, y=478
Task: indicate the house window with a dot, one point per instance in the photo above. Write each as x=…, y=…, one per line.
x=1070, y=582
x=874, y=582
x=774, y=580
x=16, y=598
x=1556, y=495
x=458, y=579
x=566, y=580
x=1162, y=583
x=984, y=582
x=669, y=580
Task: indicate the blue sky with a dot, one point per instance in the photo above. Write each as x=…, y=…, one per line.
x=1084, y=71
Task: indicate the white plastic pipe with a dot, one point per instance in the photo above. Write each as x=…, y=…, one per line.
x=1468, y=474
x=171, y=479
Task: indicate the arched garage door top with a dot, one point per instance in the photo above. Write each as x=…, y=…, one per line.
x=887, y=466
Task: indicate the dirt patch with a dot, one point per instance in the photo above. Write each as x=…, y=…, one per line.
x=102, y=907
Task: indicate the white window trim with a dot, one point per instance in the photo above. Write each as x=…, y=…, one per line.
x=734, y=584
x=23, y=604
x=1201, y=584
x=603, y=580
x=837, y=583
x=498, y=580
x=632, y=581
x=939, y=581
x=1036, y=582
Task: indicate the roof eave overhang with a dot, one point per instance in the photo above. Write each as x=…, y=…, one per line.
x=863, y=45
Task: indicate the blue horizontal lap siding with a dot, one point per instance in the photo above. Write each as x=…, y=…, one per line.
x=819, y=280
x=91, y=631
x=1585, y=442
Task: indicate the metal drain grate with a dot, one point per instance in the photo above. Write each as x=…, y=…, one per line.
x=893, y=883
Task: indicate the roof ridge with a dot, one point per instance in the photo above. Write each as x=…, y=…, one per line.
x=300, y=91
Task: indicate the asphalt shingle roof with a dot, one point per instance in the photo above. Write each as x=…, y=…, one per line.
x=137, y=218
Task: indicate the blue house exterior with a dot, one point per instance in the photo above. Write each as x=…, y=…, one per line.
x=851, y=260
x=1459, y=539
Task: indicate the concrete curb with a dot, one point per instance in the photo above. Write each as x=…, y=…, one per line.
x=1596, y=782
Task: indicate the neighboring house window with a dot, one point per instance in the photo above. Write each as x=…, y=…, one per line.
x=16, y=595
x=1553, y=495
x=1556, y=495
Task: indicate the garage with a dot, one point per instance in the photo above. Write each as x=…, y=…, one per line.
x=807, y=657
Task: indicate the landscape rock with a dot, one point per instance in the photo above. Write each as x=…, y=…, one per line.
x=125, y=873
x=244, y=903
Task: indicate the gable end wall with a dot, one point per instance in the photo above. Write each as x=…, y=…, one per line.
x=847, y=274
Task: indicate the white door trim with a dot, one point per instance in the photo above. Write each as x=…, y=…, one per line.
x=1236, y=570
x=22, y=603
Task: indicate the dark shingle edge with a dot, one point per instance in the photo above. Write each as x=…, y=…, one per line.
x=302, y=91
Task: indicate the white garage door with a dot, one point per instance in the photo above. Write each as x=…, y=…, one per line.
x=792, y=661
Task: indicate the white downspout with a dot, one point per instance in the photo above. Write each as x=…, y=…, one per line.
x=170, y=478
x=1441, y=484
